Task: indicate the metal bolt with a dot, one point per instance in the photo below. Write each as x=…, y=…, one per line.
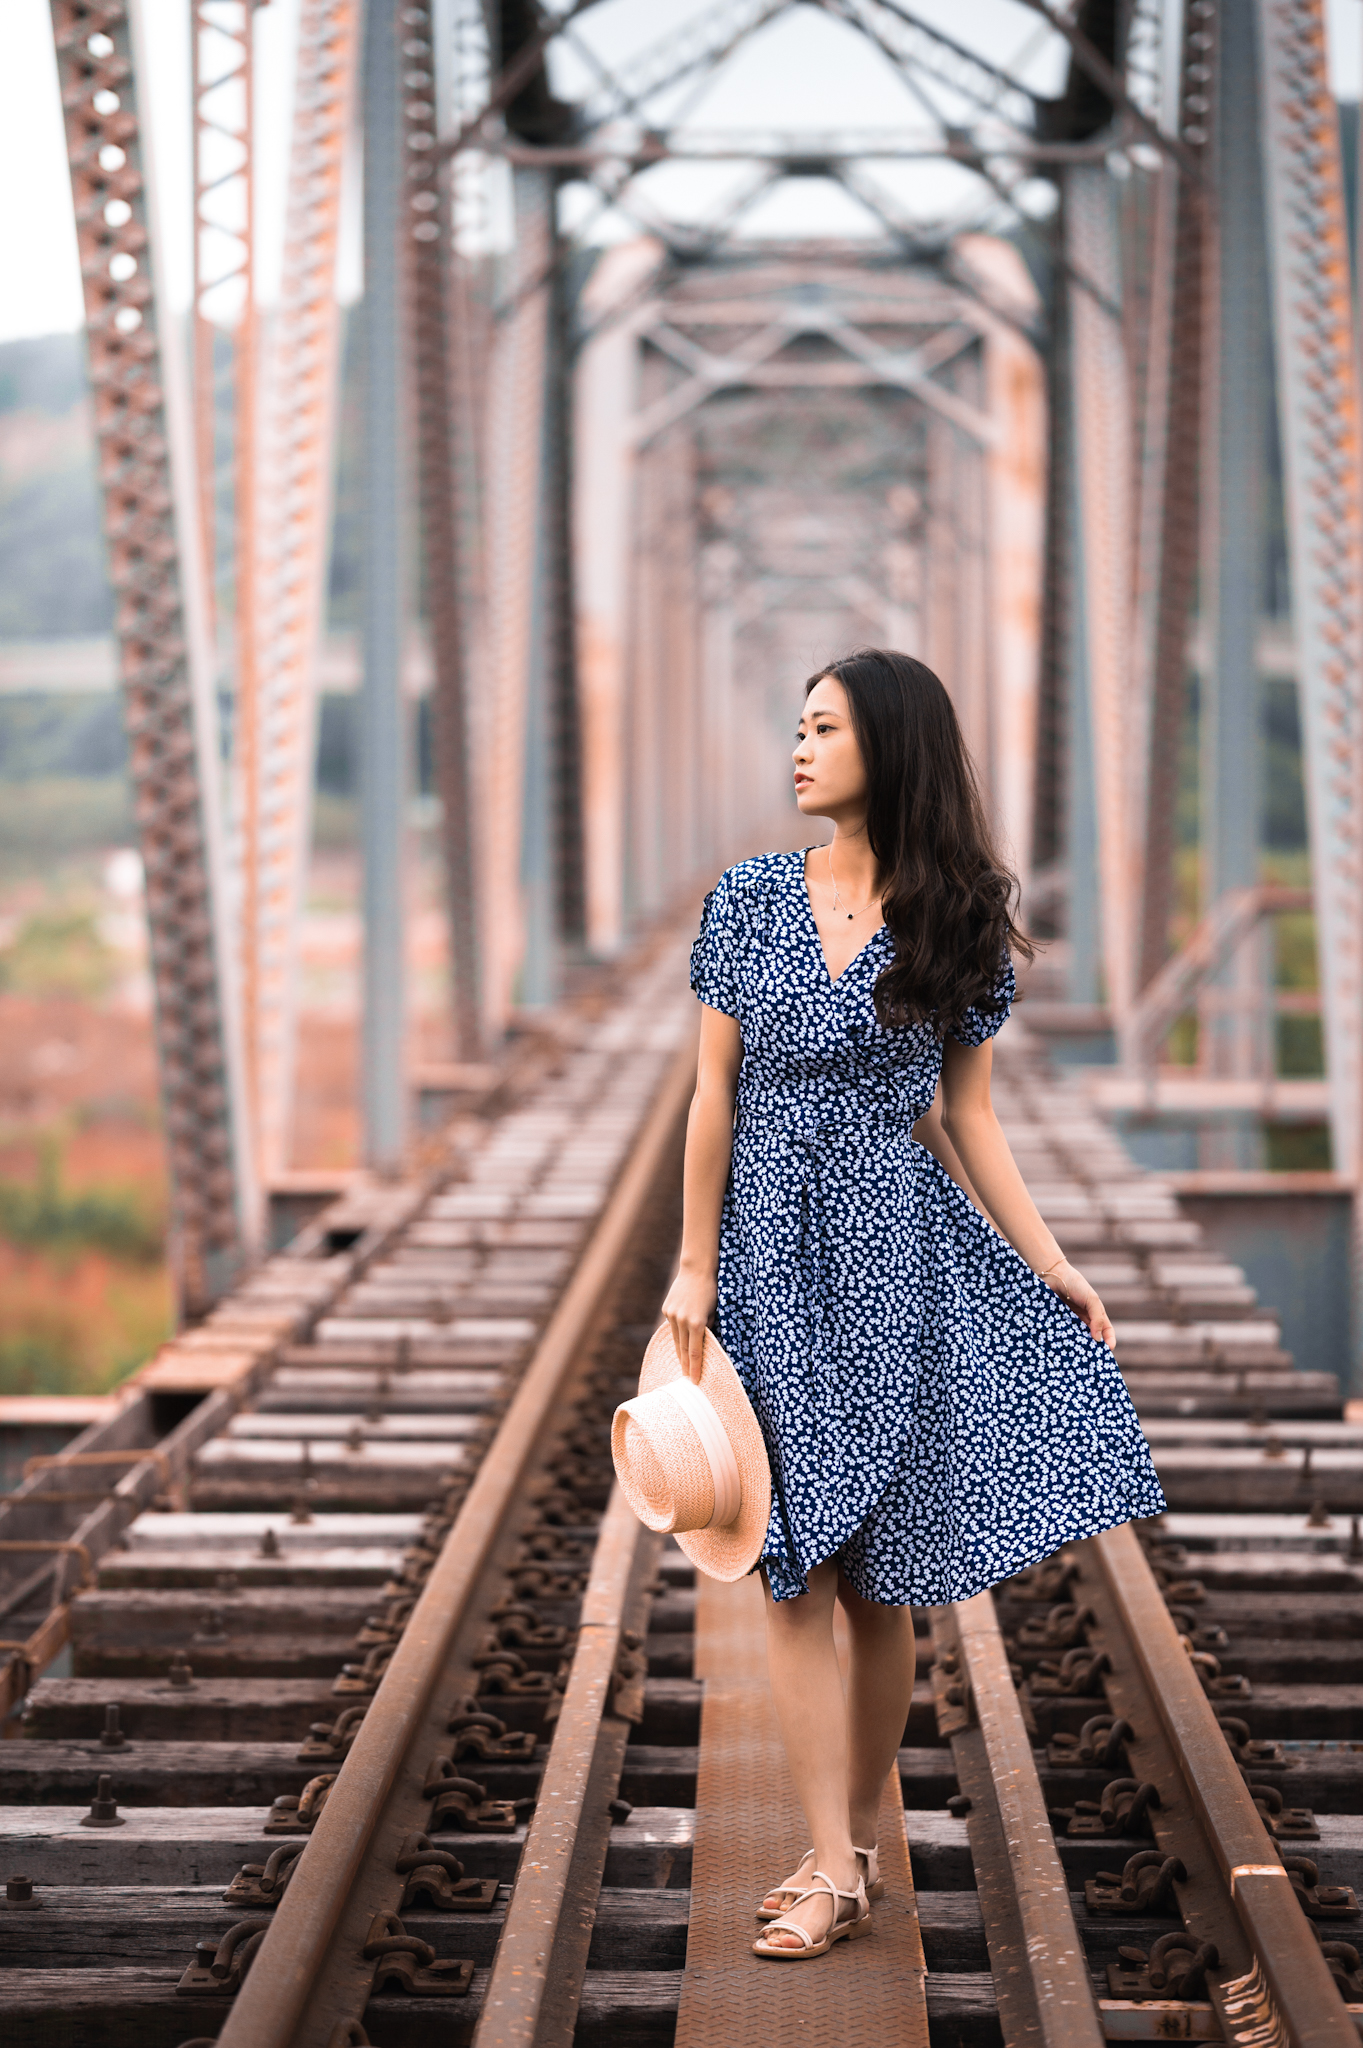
x=212, y=1630
x=181, y=1672
x=959, y=1804
x=19, y=1890
x=269, y=1544
x=1355, y=1540
x=104, y=1811
x=113, y=1736
x=301, y=1512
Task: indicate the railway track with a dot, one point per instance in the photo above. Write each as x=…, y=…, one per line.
x=407, y=1727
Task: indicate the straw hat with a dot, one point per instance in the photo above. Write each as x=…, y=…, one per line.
x=691, y=1461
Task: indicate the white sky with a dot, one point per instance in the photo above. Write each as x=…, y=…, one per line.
x=806, y=71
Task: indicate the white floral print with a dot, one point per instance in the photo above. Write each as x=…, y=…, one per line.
x=936, y=1417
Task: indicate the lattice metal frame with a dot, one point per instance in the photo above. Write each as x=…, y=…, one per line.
x=429, y=233
x=208, y=1158
x=1180, y=507
x=299, y=390
x=1318, y=412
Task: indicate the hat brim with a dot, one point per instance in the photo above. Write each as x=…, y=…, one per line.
x=730, y=1552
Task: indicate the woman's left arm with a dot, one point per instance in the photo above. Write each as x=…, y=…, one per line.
x=970, y=1123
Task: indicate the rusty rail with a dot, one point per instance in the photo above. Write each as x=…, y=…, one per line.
x=308, y=1978
x=1288, y=1994
x=1041, y=1975
x=526, y=1962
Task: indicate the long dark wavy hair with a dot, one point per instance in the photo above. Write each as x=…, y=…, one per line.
x=946, y=895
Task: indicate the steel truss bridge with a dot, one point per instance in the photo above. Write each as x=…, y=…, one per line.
x=640, y=474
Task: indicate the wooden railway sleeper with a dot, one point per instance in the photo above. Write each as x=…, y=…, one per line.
x=298, y=1813
x=219, y=1970
x=1144, y=1887
x=435, y=1878
x=407, y=1964
x=263, y=1884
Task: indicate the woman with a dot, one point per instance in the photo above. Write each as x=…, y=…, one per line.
x=934, y=1379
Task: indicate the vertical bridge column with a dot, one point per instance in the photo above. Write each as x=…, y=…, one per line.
x=383, y=715
x=514, y=822
x=144, y=432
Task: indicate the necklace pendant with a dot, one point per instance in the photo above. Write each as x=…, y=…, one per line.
x=849, y=917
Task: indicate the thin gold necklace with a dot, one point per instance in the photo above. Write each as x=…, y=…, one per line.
x=838, y=903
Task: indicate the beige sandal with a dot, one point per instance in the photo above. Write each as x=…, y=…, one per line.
x=875, y=1883
x=857, y=1923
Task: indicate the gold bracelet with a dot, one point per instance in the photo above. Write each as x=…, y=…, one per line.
x=1061, y=1261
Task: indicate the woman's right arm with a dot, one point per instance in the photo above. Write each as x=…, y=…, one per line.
x=709, y=1148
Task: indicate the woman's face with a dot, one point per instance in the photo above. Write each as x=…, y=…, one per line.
x=830, y=775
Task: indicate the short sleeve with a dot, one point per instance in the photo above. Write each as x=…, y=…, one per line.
x=986, y=1020
x=714, y=963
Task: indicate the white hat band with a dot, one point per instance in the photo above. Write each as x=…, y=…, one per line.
x=719, y=1454
x=714, y=1442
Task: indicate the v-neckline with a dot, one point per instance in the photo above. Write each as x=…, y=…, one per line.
x=831, y=978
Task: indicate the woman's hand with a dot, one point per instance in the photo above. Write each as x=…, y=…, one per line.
x=1075, y=1291
x=689, y=1305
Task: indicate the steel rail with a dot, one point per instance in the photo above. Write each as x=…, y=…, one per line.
x=520, y=1976
x=281, y=2004
x=1041, y=1974
x=1296, y=1983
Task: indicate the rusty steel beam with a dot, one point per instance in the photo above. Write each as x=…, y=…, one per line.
x=1177, y=490
x=1041, y=1973
x=288, y=569
x=427, y=229
x=515, y=570
x=144, y=437
x=526, y=1971
x=1103, y=467
x=303, y=1984
x=1318, y=415
x=222, y=74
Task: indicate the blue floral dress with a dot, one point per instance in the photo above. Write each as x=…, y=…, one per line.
x=937, y=1418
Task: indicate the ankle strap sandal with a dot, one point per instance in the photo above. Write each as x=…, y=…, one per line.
x=851, y=1927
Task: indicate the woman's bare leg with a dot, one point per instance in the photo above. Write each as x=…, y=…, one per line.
x=811, y=1708
x=879, y=1693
